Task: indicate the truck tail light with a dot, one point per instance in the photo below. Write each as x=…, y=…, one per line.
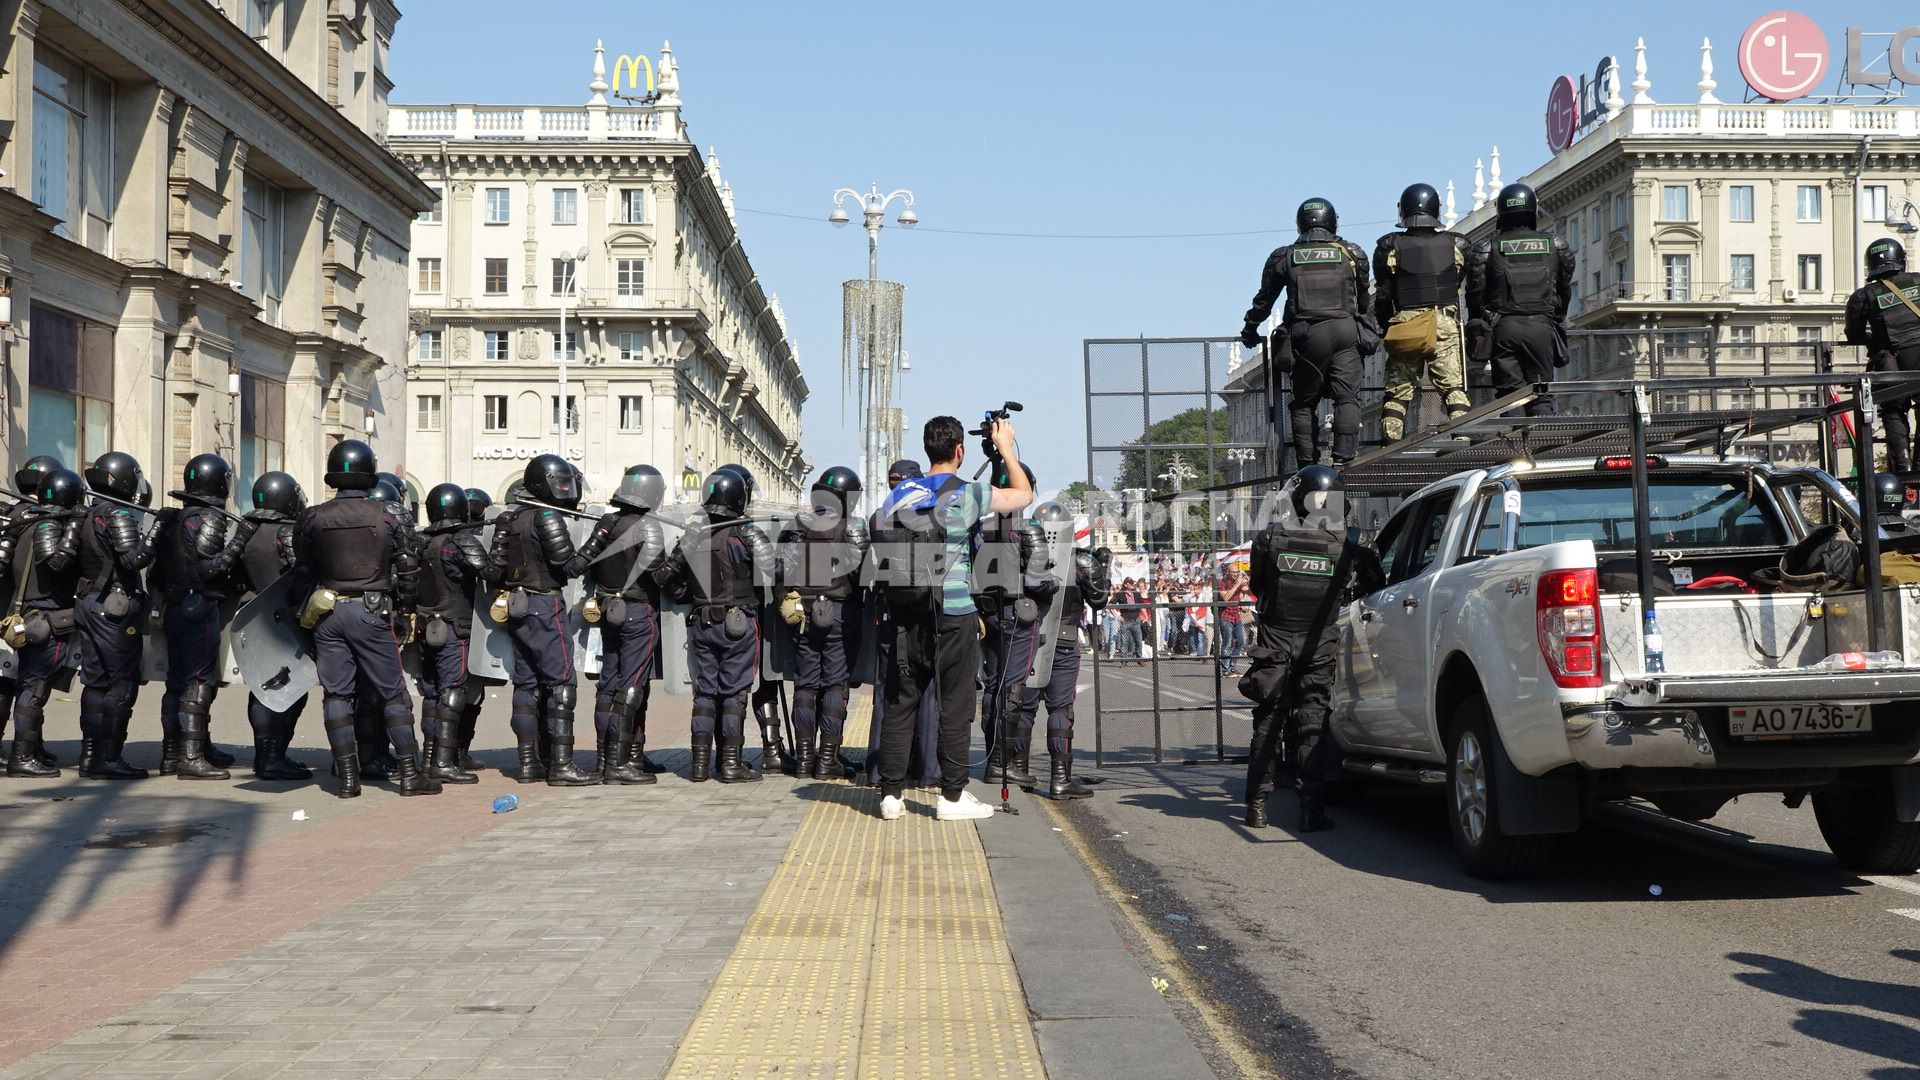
x=1567, y=608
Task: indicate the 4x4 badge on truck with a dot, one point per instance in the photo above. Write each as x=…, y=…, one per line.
x=1519, y=586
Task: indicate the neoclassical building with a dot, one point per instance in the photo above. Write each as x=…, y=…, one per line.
x=603, y=218
x=202, y=237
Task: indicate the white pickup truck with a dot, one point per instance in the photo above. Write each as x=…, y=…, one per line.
x=1505, y=658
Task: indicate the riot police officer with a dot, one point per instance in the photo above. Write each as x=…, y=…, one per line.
x=766, y=692
x=820, y=557
x=718, y=567
x=1416, y=298
x=1890, y=504
x=1884, y=316
x=26, y=483
x=46, y=546
x=115, y=548
x=275, y=504
x=1299, y=568
x=1519, y=284
x=478, y=503
x=533, y=557
x=1326, y=328
x=1086, y=589
x=625, y=548
x=452, y=563
x=1010, y=563
x=192, y=572
x=358, y=557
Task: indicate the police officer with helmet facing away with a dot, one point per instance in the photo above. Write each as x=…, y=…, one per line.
x=1417, y=277
x=1519, y=286
x=1884, y=316
x=277, y=502
x=453, y=563
x=626, y=546
x=820, y=558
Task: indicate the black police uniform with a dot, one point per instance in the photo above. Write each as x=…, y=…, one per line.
x=46, y=544
x=453, y=562
x=533, y=556
x=111, y=610
x=624, y=549
x=267, y=554
x=354, y=546
x=1326, y=332
x=1298, y=573
x=1879, y=318
x=192, y=572
x=1088, y=591
x=820, y=558
x=717, y=567
x=1520, y=283
x=1009, y=542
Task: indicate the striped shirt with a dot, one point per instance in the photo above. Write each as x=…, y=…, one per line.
x=960, y=508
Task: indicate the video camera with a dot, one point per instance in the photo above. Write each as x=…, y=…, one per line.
x=985, y=430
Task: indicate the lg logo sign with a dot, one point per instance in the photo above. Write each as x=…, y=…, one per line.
x=1783, y=55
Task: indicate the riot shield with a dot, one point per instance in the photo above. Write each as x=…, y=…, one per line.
x=273, y=653
x=1059, y=548
x=490, y=650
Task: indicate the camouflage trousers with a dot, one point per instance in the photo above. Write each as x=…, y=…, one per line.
x=1441, y=367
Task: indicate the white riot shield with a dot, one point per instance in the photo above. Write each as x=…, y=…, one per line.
x=273, y=654
x=490, y=650
x=1059, y=548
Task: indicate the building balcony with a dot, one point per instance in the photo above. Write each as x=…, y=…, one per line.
x=665, y=300
x=1774, y=120
x=533, y=123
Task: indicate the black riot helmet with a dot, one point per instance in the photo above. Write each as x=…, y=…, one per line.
x=641, y=488
x=447, y=505
x=27, y=479
x=1516, y=207
x=745, y=474
x=1889, y=493
x=726, y=494
x=350, y=465
x=145, y=498
x=1002, y=478
x=840, y=480
x=1312, y=479
x=1420, y=207
x=1316, y=214
x=280, y=493
x=384, y=491
x=477, y=504
x=207, y=479
x=1884, y=256
x=60, y=487
x=549, y=479
x=116, y=474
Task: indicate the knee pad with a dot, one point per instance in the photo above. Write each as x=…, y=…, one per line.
x=562, y=697
x=1060, y=721
x=734, y=705
x=336, y=711
x=628, y=702
x=833, y=702
x=454, y=700
x=121, y=696
x=397, y=711
x=197, y=697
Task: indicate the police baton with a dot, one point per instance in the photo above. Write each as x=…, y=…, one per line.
x=197, y=500
x=52, y=511
x=581, y=514
x=104, y=497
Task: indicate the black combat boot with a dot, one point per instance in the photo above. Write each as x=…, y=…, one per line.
x=827, y=765
x=1061, y=785
x=413, y=779
x=215, y=756
x=346, y=766
x=193, y=764
x=1313, y=816
x=1019, y=773
x=445, y=752
x=169, y=756
x=90, y=750
x=616, y=754
x=1257, y=810
x=469, y=718
x=24, y=760
x=702, y=758
x=561, y=770
x=805, y=762
x=732, y=770
x=107, y=762
x=531, y=770
x=270, y=761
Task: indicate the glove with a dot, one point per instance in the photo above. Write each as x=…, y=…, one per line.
x=1250, y=336
x=1479, y=341
x=1369, y=335
x=792, y=610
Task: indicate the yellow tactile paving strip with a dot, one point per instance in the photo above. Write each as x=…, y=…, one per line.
x=877, y=952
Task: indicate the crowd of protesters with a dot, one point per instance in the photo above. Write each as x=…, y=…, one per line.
x=1177, y=608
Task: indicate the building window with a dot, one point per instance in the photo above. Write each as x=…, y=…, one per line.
x=631, y=345
x=431, y=215
x=1807, y=202
x=494, y=416
x=1573, y=232
x=1678, y=276
x=1740, y=202
x=498, y=210
x=630, y=277
x=1673, y=203
x=573, y=414
x=566, y=206
x=73, y=147
x=573, y=345
x=563, y=277
x=495, y=344
x=263, y=244
x=1620, y=272
x=263, y=428
x=70, y=387
x=1873, y=203
x=496, y=277
x=429, y=275
x=633, y=206
x=1599, y=221
x=427, y=415
x=1740, y=274
x=1596, y=285
x=1622, y=211
x=1809, y=273
x=429, y=345
x=1742, y=339
x=633, y=413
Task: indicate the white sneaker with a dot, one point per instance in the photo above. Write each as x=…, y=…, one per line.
x=964, y=808
x=892, y=808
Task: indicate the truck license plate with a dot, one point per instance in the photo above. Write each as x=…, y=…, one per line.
x=1787, y=721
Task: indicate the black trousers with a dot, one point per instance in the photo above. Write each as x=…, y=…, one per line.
x=1289, y=679
x=1894, y=411
x=938, y=655
x=1326, y=364
x=1525, y=349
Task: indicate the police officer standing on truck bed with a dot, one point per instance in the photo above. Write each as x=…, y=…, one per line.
x=626, y=546
x=1326, y=328
x=820, y=558
x=1519, y=285
x=26, y=482
x=45, y=539
x=277, y=503
x=452, y=563
x=1416, y=298
x=1884, y=316
x=111, y=606
x=1300, y=567
x=193, y=571
x=358, y=556
x=718, y=567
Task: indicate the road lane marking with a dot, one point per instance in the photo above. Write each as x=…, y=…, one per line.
x=1904, y=884
x=1911, y=913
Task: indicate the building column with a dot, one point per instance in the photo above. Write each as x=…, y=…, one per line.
x=1645, y=269
x=599, y=266
x=1846, y=229
x=459, y=228
x=1776, y=260
x=1710, y=217
x=17, y=160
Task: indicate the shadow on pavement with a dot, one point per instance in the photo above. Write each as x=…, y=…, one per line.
x=1899, y=1042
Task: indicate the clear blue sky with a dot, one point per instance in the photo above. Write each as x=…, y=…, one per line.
x=1071, y=117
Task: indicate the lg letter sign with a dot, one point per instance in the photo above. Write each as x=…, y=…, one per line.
x=1783, y=55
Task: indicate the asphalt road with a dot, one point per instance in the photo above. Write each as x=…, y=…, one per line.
x=1367, y=951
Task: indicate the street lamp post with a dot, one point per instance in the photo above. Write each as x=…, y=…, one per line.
x=571, y=264
x=873, y=208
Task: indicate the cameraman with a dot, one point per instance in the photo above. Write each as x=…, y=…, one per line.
x=937, y=643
